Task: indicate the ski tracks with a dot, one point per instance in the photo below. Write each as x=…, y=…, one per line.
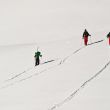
x=27, y=70
x=49, y=61
x=72, y=95
x=17, y=78
x=64, y=59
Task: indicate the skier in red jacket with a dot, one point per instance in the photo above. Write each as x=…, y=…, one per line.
x=108, y=36
x=85, y=37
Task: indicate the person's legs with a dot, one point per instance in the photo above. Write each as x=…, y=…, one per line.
x=109, y=40
x=37, y=61
x=85, y=40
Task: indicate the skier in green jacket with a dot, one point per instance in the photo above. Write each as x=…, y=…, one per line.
x=37, y=55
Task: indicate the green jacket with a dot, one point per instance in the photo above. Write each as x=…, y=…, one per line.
x=37, y=54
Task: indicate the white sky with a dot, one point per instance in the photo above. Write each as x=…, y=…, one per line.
x=23, y=21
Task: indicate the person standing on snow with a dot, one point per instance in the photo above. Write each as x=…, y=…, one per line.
x=108, y=36
x=85, y=36
x=37, y=55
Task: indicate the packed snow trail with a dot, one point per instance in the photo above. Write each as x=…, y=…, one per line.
x=79, y=50
x=96, y=42
x=61, y=62
x=19, y=74
x=79, y=89
x=35, y=74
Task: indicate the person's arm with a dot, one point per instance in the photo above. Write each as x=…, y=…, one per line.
x=40, y=55
x=88, y=34
x=107, y=36
x=83, y=36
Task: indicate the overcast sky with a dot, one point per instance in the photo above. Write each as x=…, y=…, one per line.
x=23, y=21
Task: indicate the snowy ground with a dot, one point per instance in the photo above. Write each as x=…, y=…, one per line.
x=56, y=27
x=56, y=82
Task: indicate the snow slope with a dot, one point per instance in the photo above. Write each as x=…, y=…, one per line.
x=40, y=88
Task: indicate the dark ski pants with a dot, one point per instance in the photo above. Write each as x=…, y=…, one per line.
x=85, y=40
x=37, y=61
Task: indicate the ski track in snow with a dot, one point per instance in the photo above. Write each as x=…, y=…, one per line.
x=79, y=89
x=19, y=74
x=23, y=79
x=79, y=50
x=61, y=62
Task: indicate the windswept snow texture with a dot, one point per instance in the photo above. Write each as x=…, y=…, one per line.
x=74, y=76
x=45, y=86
